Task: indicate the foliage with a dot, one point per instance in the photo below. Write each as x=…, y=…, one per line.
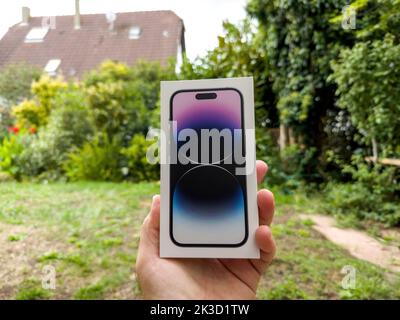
x=368, y=79
x=120, y=99
x=35, y=112
x=238, y=54
x=5, y=177
x=32, y=289
x=139, y=167
x=374, y=18
x=148, y=75
x=15, y=81
x=96, y=160
x=68, y=126
x=10, y=150
x=6, y=120
x=29, y=113
x=287, y=290
x=374, y=194
x=116, y=100
x=299, y=42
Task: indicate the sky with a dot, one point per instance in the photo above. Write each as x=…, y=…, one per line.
x=203, y=18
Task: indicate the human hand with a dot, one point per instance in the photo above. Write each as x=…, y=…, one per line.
x=204, y=278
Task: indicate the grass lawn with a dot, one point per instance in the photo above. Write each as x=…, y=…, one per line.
x=89, y=233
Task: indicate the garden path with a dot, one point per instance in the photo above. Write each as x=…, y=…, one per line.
x=358, y=243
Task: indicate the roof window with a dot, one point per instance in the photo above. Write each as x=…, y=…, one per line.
x=52, y=66
x=135, y=32
x=36, y=34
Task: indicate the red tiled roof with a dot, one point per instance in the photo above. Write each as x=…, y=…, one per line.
x=83, y=49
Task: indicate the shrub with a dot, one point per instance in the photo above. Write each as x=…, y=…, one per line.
x=5, y=177
x=95, y=160
x=267, y=150
x=147, y=76
x=68, y=126
x=37, y=111
x=5, y=118
x=10, y=150
x=16, y=80
x=368, y=80
x=139, y=167
x=374, y=194
x=116, y=102
x=287, y=168
x=29, y=113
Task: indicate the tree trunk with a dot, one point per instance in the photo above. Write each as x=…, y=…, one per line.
x=374, y=150
x=282, y=137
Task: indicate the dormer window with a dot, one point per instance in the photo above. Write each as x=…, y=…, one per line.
x=36, y=34
x=52, y=66
x=135, y=32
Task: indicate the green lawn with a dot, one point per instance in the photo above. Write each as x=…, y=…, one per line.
x=89, y=233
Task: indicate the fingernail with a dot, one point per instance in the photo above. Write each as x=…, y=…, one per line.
x=155, y=197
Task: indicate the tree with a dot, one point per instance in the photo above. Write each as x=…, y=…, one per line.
x=16, y=80
x=123, y=99
x=368, y=79
x=238, y=54
x=15, y=85
x=299, y=42
x=36, y=111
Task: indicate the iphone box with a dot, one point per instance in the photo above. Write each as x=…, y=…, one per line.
x=208, y=175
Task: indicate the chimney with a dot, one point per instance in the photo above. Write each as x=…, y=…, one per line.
x=77, y=18
x=26, y=13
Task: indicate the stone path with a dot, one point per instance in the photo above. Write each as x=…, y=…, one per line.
x=359, y=244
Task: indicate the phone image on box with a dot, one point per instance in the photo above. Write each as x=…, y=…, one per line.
x=208, y=199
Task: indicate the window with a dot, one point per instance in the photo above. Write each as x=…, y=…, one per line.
x=134, y=32
x=52, y=66
x=36, y=34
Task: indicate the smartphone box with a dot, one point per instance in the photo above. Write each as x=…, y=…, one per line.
x=208, y=175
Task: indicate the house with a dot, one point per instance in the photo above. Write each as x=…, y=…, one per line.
x=74, y=44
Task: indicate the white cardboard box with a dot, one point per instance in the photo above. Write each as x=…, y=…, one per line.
x=169, y=247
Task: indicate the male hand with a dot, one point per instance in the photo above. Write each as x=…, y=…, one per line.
x=204, y=278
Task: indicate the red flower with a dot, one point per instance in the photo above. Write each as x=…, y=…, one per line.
x=13, y=130
x=32, y=130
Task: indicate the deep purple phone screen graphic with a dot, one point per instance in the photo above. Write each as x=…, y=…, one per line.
x=207, y=198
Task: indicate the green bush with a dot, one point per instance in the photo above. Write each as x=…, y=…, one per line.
x=268, y=150
x=10, y=151
x=36, y=112
x=374, y=194
x=368, y=87
x=96, y=160
x=68, y=126
x=287, y=168
x=5, y=118
x=139, y=167
x=16, y=80
x=116, y=102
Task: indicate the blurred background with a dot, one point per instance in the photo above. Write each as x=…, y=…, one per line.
x=79, y=90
